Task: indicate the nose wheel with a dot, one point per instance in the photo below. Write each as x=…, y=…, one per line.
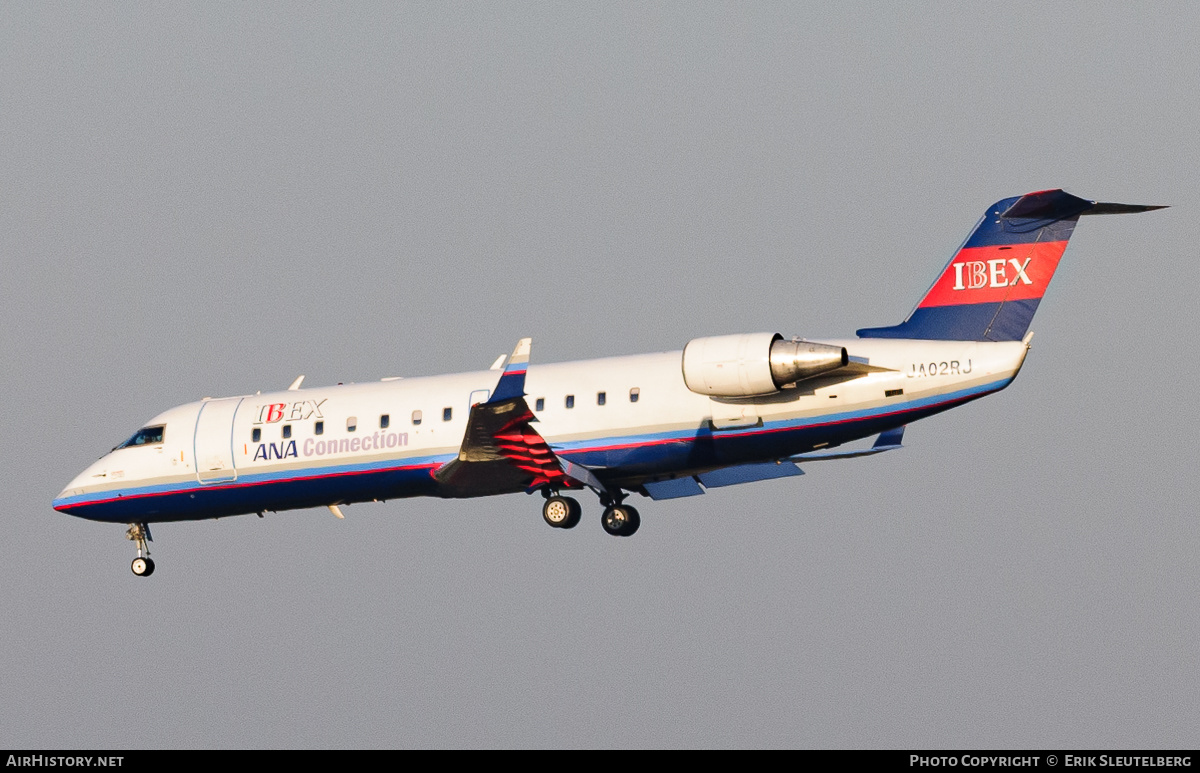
x=143, y=565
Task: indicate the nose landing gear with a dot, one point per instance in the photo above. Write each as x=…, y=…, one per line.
x=143, y=565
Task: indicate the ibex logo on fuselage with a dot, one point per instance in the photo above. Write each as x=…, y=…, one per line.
x=297, y=411
x=974, y=274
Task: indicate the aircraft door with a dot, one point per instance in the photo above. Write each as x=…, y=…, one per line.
x=213, y=449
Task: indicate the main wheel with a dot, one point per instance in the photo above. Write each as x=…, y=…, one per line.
x=558, y=511
x=620, y=520
x=635, y=521
x=142, y=567
x=572, y=519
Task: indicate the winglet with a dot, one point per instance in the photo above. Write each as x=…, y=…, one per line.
x=512, y=381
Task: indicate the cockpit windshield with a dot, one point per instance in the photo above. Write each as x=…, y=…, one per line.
x=146, y=436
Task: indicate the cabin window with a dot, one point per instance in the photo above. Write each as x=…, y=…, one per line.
x=634, y=394
x=601, y=398
x=447, y=413
x=319, y=428
x=893, y=392
x=570, y=401
x=540, y=405
x=416, y=419
x=384, y=421
x=146, y=436
x=287, y=431
x=351, y=423
x=255, y=434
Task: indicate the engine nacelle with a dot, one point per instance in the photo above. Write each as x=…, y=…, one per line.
x=753, y=364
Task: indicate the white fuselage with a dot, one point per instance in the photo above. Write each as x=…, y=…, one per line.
x=629, y=419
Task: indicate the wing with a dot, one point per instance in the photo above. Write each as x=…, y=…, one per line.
x=501, y=451
x=694, y=485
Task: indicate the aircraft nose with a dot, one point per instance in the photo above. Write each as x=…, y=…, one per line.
x=74, y=491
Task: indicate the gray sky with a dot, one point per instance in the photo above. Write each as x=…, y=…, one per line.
x=211, y=199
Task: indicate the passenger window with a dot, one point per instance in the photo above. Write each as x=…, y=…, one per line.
x=634, y=394
x=351, y=423
x=601, y=398
x=447, y=413
x=416, y=418
x=540, y=405
x=570, y=401
x=319, y=428
x=287, y=431
x=255, y=435
x=384, y=421
x=146, y=436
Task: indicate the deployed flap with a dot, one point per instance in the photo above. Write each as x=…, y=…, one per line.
x=749, y=473
x=887, y=441
x=673, y=489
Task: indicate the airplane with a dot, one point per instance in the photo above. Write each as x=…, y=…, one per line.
x=725, y=410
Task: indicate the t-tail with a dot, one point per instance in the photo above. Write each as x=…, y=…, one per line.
x=991, y=288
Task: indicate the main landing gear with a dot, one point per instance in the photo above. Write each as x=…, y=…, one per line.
x=618, y=519
x=561, y=512
x=143, y=565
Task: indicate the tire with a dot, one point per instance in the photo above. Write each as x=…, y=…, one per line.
x=634, y=522
x=615, y=520
x=576, y=514
x=142, y=567
x=557, y=512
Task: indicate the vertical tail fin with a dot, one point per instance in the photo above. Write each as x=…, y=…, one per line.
x=991, y=288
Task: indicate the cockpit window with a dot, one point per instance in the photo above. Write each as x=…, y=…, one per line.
x=146, y=436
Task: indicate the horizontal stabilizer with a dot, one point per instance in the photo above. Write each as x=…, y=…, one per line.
x=1103, y=208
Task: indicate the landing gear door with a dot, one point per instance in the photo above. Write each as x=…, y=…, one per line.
x=729, y=413
x=213, y=450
